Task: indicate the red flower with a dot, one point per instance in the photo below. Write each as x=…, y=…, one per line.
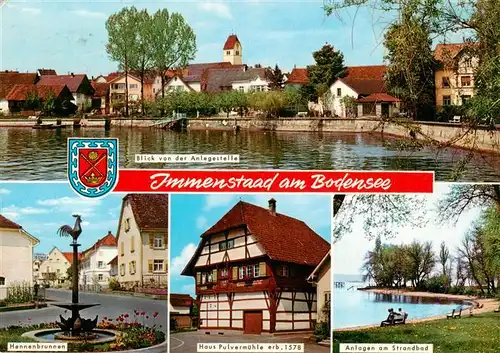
x=126, y=315
x=143, y=313
x=147, y=317
x=155, y=314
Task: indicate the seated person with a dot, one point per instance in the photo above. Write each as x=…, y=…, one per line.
x=390, y=318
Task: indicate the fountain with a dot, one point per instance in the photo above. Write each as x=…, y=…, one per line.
x=74, y=328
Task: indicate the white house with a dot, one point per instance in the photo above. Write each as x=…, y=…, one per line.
x=94, y=263
x=16, y=255
x=53, y=270
x=321, y=279
x=142, y=238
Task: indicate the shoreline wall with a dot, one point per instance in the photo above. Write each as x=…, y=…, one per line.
x=481, y=139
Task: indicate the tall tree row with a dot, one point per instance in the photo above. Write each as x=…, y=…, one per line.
x=149, y=45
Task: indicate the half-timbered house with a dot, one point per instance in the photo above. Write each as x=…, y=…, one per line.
x=251, y=271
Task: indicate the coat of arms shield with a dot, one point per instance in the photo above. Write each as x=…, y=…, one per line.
x=92, y=165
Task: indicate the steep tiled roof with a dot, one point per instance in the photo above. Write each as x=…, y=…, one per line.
x=9, y=79
x=181, y=299
x=378, y=97
x=108, y=240
x=217, y=79
x=366, y=80
x=69, y=256
x=19, y=92
x=198, y=69
x=72, y=81
x=150, y=210
x=444, y=52
x=283, y=238
x=231, y=42
x=298, y=76
x=101, y=89
x=7, y=223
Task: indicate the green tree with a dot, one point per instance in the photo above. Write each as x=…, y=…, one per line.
x=410, y=75
x=32, y=100
x=276, y=78
x=122, y=42
x=174, y=43
x=143, y=62
x=49, y=103
x=329, y=65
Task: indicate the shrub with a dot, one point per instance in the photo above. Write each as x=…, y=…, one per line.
x=114, y=284
x=173, y=324
x=321, y=331
x=436, y=284
x=19, y=293
x=446, y=112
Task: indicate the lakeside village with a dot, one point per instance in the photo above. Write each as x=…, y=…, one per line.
x=181, y=89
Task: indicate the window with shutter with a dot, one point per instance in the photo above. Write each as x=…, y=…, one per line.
x=198, y=278
x=262, y=269
x=132, y=244
x=151, y=240
x=150, y=266
x=235, y=273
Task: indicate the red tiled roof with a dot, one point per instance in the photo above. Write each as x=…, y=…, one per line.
x=283, y=238
x=378, y=97
x=371, y=72
x=7, y=223
x=150, y=210
x=69, y=256
x=298, y=76
x=101, y=89
x=444, y=52
x=11, y=78
x=108, y=240
x=231, y=42
x=72, y=81
x=112, y=76
x=366, y=80
x=19, y=92
x=181, y=299
x=114, y=261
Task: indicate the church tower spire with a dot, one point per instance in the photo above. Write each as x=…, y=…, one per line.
x=233, y=51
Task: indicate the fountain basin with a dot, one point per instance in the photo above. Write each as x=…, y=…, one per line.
x=56, y=335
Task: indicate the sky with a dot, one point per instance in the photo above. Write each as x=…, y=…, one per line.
x=349, y=252
x=70, y=36
x=41, y=208
x=191, y=215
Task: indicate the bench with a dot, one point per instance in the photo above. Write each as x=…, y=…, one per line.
x=497, y=310
x=393, y=321
x=456, y=119
x=454, y=314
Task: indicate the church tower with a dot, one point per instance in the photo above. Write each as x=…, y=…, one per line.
x=232, y=51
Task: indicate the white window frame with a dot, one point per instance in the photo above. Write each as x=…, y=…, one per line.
x=160, y=237
x=156, y=263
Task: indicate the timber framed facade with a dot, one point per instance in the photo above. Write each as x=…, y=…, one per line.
x=245, y=280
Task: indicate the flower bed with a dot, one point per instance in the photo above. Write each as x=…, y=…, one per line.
x=132, y=334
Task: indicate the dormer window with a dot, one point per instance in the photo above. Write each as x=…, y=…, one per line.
x=284, y=271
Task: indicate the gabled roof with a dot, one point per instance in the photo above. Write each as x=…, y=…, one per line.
x=108, y=240
x=19, y=92
x=7, y=223
x=149, y=78
x=444, y=52
x=177, y=78
x=198, y=69
x=114, y=261
x=72, y=81
x=181, y=299
x=8, y=79
x=217, y=79
x=283, y=238
x=101, y=89
x=297, y=75
x=150, y=210
x=379, y=98
x=231, y=42
x=69, y=256
x=365, y=80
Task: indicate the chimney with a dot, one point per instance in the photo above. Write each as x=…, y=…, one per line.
x=272, y=207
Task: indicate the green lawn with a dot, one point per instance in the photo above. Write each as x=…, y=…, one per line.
x=480, y=333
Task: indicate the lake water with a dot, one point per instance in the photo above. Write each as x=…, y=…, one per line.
x=28, y=154
x=353, y=308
